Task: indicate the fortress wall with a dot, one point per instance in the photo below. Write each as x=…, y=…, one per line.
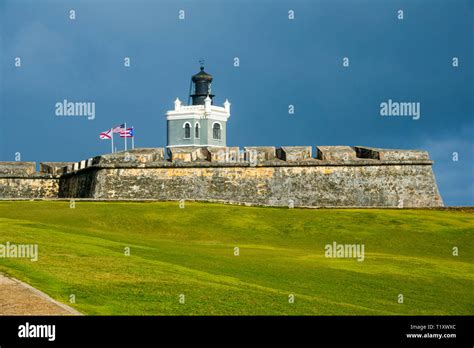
x=29, y=187
x=17, y=168
x=80, y=184
x=20, y=180
x=339, y=176
x=411, y=185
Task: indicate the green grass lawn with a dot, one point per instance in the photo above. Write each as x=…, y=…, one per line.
x=190, y=251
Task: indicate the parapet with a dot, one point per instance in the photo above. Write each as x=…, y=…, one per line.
x=17, y=168
x=224, y=154
x=188, y=154
x=294, y=153
x=336, y=153
x=391, y=155
x=260, y=153
x=142, y=155
x=264, y=156
x=54, y=168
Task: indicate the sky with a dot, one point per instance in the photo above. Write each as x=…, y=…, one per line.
x=282, y=62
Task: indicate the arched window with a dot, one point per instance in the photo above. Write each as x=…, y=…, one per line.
x=216, y=131
x=196, y=130
x=187, y=130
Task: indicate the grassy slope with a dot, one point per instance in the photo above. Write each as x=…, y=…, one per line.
x=190, y=251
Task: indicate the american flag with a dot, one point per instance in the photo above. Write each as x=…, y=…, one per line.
x=106, y=134
x=127, y=134
x=119, y=129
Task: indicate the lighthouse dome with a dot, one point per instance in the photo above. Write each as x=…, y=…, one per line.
x=202, y=76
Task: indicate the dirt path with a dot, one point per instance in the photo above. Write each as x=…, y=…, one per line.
x=18, y=298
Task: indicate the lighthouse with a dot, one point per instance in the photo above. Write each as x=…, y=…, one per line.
x=201, y=124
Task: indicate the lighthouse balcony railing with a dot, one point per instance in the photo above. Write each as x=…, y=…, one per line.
x=199, y=107
x=191, y=107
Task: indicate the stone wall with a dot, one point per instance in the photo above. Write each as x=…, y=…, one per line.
x=81, y=184
x=17, y=168
x=337, y=177
x=324, y=186
x=20, y=180
x=36, y=187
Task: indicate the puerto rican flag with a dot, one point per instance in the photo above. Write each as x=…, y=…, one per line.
x=119, y=129
x=127, y=133
x=107, y=135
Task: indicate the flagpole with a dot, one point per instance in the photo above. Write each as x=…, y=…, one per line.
x=125, y=136
x=133, y=138
x=112, y=135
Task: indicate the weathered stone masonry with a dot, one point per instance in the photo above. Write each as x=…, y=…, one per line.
x=20, y=180
x=339, y=176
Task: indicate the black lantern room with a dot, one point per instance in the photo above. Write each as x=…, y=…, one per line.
x=202, y=87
